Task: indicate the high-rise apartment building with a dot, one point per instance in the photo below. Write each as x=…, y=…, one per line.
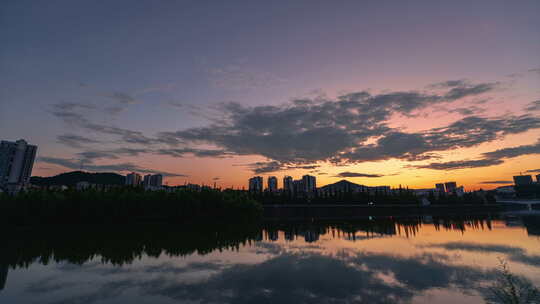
x=298, y=186
x=272, y=184
x=309, y=183
x=440, y=188
x=155, y=180
x=256, y=184
x=146, y=180
x=16, y=163
x=133, y=179
x=538, y=178
x=288, y=184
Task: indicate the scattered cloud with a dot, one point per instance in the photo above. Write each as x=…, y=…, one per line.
x=79, y=120
x=114, y=110
x=274, y=166
x=238, y=77
x=460, y=164
x=70, y=106
x=489, y=158
x=176, y=104
x=266, y=167
x=195, y=152
x=468, y=111
x=536, y=70
x=121, y=97
x=533, y=106
x=356, y=174
x=76, y=164
x=75, y=141
x=112, y=154
x=533, y=171
x=514, y=151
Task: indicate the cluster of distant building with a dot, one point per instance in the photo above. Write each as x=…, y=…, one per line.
x=447, y=188
x=149, y=181
x=306, y=184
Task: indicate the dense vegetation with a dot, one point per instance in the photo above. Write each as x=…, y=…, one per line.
x=396, y=197
x=125, y=204
x=467, y=198
x=72, y=178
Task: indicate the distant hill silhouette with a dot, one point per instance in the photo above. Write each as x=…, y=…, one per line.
x=343, y=185
x=72, y=178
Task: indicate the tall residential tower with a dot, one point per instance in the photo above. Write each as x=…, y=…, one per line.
x=272, y=184
x=16, y=162
x=256, y=184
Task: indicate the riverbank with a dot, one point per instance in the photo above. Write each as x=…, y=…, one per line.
x=338, y=211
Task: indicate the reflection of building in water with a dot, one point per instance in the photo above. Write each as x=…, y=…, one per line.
x=273, y=235
x=3, y=276
x=532, y=224
x=311, y=236
x=513, y=221
x=289, y=235
x=259, y=236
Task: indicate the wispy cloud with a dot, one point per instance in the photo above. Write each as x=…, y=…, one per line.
x=492, y=158
x=75, y=141
x=121, y=97
x=238, y=77
x=357, y=174
x=460, y=164
x=535, y=70
x=121, y=167
x=533, y=106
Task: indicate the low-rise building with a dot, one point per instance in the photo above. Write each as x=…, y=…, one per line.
x=523, y=180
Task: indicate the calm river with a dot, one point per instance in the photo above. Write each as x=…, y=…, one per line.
x=424, y=259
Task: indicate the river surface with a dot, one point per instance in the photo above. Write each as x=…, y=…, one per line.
x=423, y=259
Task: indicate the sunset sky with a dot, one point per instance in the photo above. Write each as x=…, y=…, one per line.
x=392, y=93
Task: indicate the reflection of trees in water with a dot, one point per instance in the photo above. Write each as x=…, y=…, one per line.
x=3, y=275
x=124, y=244
x=121, y=244
x=462, y=223
x=373, y=227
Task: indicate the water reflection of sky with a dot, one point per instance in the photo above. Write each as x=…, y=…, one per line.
x=426, y=263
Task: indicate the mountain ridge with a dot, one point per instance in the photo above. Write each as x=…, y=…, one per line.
x=72, y=178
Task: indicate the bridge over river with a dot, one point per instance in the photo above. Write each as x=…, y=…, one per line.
x=528, y=202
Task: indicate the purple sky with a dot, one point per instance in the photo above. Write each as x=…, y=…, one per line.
x=102, y=82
